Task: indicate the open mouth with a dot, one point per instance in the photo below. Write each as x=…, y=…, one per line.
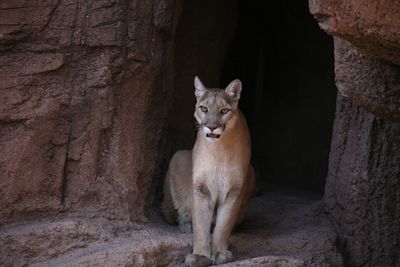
x=212, y=135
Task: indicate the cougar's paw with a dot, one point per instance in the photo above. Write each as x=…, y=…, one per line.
x=196, y=260
x=185, y=227
x=223, y=256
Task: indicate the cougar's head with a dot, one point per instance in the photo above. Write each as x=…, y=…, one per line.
x=216, y=109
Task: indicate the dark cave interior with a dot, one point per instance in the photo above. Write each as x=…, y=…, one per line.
x=286, y=64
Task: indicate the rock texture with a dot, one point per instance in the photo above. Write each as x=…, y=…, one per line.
x=362, y=191
x=362, y=187
x=83, y=85
x=281, y=229
x=89, y=242
x=372, y=26
x=369, y=82
x=367, y=65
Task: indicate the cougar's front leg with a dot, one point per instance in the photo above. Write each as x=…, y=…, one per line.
x=202, y=213
x=226, y=217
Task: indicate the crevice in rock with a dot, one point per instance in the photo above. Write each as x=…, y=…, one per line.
x=51, y=14
x=64, y=184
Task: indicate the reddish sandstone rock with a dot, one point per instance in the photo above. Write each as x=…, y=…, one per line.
x=362, y=187
x=366, y=63
x=281, y=229
x=372, y=26
x=85, y=88
x=371, y=83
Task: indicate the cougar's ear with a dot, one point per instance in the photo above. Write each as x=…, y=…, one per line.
x=234, y=89
x=200, y=88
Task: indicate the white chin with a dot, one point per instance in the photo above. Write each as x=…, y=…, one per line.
x=212, y=140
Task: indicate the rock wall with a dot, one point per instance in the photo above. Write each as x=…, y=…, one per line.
x=372, y=26
x=369, y=82
x=373, y=29
x=362, y=188
x=85, y=88
x=362, y=193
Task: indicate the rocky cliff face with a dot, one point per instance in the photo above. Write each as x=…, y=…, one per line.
x=85, y=88
x=362, y=187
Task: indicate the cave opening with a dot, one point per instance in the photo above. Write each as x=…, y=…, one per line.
x=286, y=65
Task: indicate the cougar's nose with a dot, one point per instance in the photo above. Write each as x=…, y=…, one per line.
x=212, y=127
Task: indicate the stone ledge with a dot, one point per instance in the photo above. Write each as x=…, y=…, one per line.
x=283, y=229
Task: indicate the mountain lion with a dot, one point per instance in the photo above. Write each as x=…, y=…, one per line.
x=214, y=181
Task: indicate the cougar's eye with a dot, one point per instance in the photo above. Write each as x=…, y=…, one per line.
x=224, y=111
x=204, y=109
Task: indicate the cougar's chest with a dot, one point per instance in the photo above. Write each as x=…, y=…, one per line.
x=217, y=170
x=214, y=175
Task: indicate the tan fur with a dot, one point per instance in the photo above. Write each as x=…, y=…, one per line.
x=177, y=204
x=215, y=180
